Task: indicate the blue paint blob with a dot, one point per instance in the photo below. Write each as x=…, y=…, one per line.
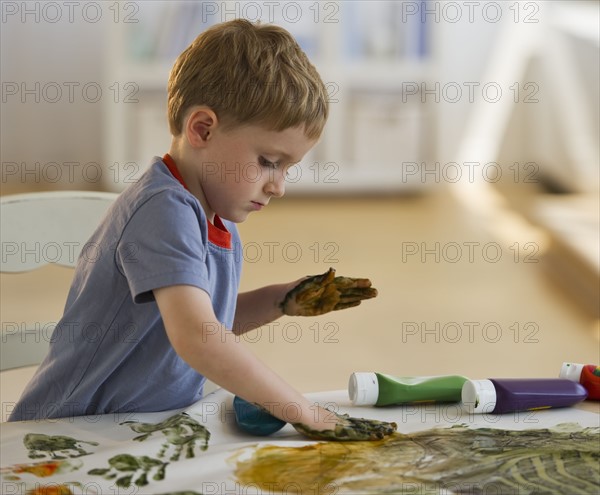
x=254, y=420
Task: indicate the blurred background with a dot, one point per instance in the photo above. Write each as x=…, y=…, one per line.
x=459, y=170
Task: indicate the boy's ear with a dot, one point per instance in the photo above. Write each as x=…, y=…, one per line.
x=200, y=126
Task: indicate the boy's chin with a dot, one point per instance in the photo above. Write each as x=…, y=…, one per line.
x=237, y=217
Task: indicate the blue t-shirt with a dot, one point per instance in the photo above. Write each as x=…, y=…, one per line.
x=110, y=352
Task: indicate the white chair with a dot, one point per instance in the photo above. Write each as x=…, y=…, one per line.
x=37, y=229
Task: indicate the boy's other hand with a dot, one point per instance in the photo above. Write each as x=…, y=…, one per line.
x=321, y=294
x=349, y=429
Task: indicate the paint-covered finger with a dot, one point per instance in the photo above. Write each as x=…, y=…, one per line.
x=349, y=282
x=357, y=295
x=346, y=305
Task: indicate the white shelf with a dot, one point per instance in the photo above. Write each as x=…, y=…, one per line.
x=373, y=76
x=150, y=76
x=573, y=257
x=369, y=75
x=574, y=221
x=355, y=178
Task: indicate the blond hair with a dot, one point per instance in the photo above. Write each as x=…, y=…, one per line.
x=248, y=74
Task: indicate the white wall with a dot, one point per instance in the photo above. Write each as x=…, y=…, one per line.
x=40, y=125
x=40, y=54
x=544, y=57
x=463, y=51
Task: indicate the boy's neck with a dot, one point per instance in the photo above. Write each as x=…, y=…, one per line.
x=193, y=185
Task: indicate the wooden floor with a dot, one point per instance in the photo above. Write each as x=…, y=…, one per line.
x=452, y=298
x=451, y=307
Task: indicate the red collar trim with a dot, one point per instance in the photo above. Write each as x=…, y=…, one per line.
x=172, y=166
x=217, y=233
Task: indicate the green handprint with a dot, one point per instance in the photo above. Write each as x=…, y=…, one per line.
x=130, y=465
x=40, y=446
x=180, y=431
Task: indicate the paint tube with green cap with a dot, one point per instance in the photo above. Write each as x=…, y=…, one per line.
x=368, y=389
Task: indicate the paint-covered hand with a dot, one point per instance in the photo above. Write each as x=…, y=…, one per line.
x=349, y=429
x=321, y=294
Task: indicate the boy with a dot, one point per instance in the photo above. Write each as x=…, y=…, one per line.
x=147, y=316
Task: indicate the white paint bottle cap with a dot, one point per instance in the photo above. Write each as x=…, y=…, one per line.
x=571, y=371
x=363, y=389
x=479, y=396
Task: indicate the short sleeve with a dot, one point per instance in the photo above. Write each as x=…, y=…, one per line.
x=163, y=244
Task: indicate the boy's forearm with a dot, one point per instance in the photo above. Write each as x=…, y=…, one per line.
x=212, y=350
x=259, y=307
x=217, y=354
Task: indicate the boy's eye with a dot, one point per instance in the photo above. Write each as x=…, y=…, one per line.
x=266, y=163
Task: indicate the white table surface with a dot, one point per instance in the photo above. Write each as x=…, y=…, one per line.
x=213, y=469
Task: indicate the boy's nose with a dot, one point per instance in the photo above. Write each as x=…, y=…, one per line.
x=276, y=184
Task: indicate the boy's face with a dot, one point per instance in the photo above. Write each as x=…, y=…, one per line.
x=243, y=168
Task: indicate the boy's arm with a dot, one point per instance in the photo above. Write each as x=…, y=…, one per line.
x=206, y=345
x=308, y=296
x=259, y=307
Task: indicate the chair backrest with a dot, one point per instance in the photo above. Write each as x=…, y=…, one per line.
x=48, y=227
x=37, y=229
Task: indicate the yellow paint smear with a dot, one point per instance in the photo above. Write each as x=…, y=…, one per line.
x=450, y=460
